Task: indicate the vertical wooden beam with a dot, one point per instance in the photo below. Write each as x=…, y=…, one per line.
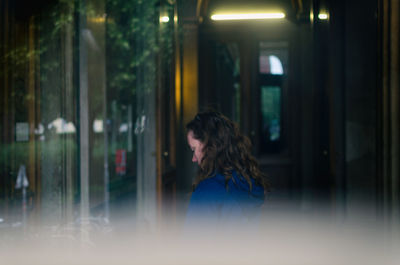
x=175, y=78
x=178, y=70
x=390, y=113
x=190, y=72
x=189, y=92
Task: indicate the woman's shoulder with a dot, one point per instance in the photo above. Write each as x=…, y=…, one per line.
x=208, y=194
x=214, y=183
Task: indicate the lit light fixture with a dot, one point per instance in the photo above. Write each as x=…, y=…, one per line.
x=323, y=16
x=311, y=16
x=98, y=19
x=164, y=19
x=247, y=16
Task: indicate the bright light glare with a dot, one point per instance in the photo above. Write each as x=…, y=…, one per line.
x=164, y=19
x=98, y=126
x=276, y=65
x=245, y=16
x=323, y=16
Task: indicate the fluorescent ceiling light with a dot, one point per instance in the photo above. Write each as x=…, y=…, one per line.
x=247, y=16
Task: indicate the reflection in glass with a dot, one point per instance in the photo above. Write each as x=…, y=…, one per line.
x=108, y=50
x=271, y=117
x=272, y=70
x=270, y=64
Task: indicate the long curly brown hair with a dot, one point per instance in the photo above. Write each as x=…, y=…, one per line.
x=225, y=149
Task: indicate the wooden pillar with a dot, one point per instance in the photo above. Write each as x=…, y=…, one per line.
x=390, y=111
x=190, y=71
x=189, y=97
x=394, y=102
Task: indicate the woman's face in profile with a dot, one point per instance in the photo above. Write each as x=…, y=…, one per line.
x=196, y=146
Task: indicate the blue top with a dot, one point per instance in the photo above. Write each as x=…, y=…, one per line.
x=218, y=203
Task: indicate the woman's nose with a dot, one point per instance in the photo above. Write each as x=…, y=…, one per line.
x=194, y=158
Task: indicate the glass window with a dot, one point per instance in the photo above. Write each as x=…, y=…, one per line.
x=272, y=71
x=271, y=118
x=77, y=110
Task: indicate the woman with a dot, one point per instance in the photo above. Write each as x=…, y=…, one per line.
x=229, y=188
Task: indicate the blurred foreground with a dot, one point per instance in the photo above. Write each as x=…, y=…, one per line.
x=279, y=239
